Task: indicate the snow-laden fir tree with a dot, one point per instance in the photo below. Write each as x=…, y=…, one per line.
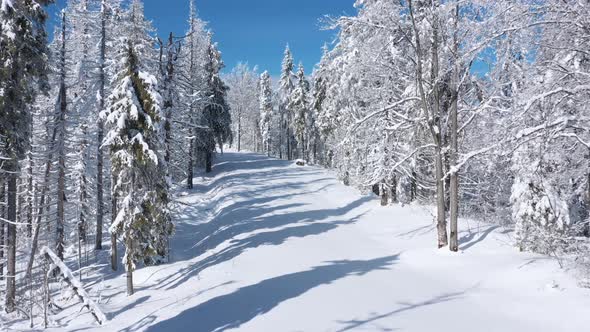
x=266, y=111
x=286, y=86
x=299, y=107
x=216, y=115
x=132, y=116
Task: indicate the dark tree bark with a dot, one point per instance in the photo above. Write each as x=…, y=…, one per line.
x=11, y=237
x=99, y=152
x=61, y=161
x=384, y=194
x=2, y=223
x=208, y=162
x=191, y=166
x=114, y=212
x=394, y=198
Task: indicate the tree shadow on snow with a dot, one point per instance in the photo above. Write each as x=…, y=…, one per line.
x=255, y=220
x=234, y=309
x=469, y=240
x=238, y=246
x=355, y=324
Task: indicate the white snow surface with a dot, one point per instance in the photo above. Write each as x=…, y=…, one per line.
x=264, y=245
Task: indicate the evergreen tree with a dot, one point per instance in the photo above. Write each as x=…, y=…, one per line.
x=217, y=113
x=286, y=86
x=133, y=115
x=265, y=111
x=299, y=106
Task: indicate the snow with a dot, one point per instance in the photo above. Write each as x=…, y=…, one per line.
x=6, y=4
x=264, y=246
x=6, y=27
x=138, y=139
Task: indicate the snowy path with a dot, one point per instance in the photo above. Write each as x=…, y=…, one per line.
x=266, y=246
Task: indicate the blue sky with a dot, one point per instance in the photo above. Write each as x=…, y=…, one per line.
x=254, y=31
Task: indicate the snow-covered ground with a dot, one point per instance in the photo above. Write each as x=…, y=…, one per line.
x=264, y=245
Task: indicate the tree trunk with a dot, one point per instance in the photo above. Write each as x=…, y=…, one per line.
x=375, y=189
x=282, y=123
x=114, y=212
x=3, y=216
x=129, y=280
x=11, y=238
x=384, y=194
x=440, y=200
x=208, y=162
x=587, y=227
x=303, y=150
x=41, y=207
x=114, y=253
x=432, y=113
x=289, y=156
x=454, y=150
x=413, y=186
x=30, y=191
x=129, y=268
x=190, y=174
x=394, y=190
x=99, y=153
x=239, y=130
x=61, y=124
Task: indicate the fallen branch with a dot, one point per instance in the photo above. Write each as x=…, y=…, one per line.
x=76, y=286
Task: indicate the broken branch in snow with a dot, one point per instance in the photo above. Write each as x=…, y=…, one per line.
x=76, y=286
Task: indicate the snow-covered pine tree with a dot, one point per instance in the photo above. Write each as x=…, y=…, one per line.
x=266, y=111
x=299, y=107
x=217, y=113
x=133, y=114
x=286, y=86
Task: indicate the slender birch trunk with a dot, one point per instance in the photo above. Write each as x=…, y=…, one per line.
x=454, y=150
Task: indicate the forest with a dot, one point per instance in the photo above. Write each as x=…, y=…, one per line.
x=475, y=110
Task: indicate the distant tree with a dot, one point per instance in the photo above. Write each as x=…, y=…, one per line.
x=243, y=100
x=266, y=111
x=299, y=107
x=286, y=86
x=217, y=113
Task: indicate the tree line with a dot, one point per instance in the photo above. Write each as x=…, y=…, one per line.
x=478, y=107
